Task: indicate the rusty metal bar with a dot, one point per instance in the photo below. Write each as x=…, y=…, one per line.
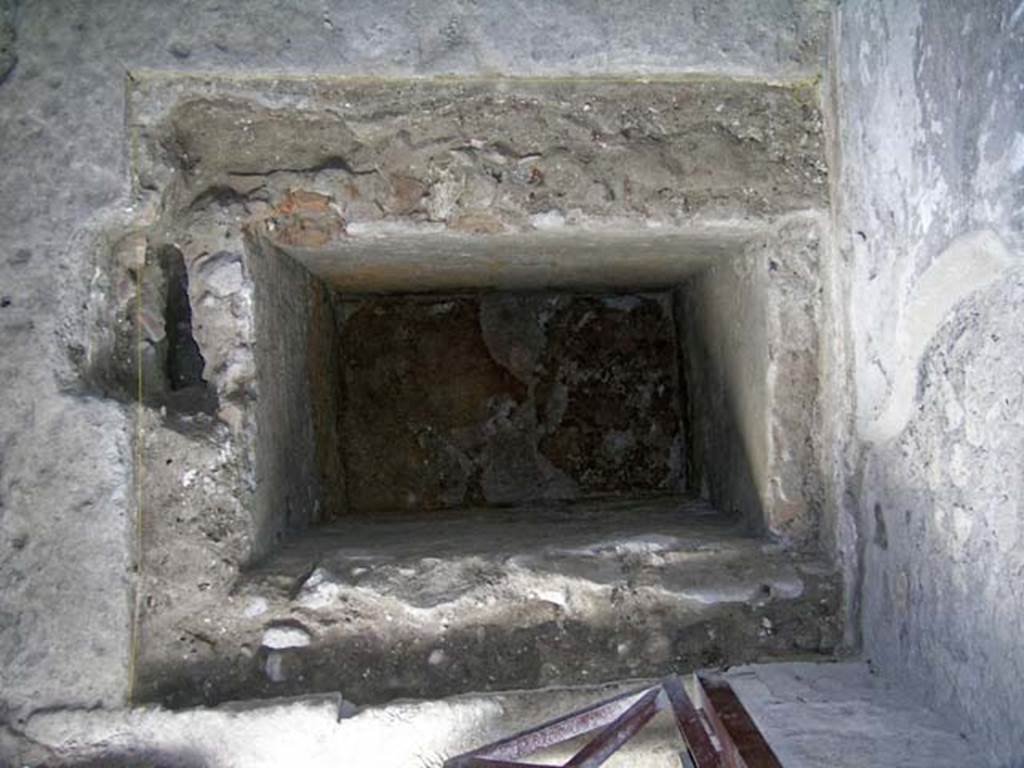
x=560, y=729
x=690, y=725
x=618, y=719
x=618, y=732
x=484, y=762
x=743, y=745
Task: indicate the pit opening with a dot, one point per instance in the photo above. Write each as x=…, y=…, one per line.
x=406, y=402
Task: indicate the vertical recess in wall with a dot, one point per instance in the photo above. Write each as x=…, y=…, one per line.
x=184, y=363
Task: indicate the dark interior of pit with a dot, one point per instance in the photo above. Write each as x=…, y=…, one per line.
x=499, y=399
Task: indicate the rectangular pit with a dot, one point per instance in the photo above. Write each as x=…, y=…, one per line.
x=494, y=450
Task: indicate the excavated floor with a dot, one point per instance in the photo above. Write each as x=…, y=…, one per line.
x=490, y=600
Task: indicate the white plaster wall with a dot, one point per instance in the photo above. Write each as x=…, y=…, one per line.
x=931, y=227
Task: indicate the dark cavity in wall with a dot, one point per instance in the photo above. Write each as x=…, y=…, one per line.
x=881, y=534
x=183, y=363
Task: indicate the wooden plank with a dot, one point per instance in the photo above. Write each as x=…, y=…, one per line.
x=742, y=742
x=690, y=725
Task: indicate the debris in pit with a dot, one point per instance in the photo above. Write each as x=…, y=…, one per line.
x=284, y=636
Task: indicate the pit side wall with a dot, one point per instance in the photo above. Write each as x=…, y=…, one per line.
x=931, y=227
x=722, y=330
x=287, y=482
x=751, y=330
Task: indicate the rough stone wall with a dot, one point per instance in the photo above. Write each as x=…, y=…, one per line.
x=508, y=398
x=482, y=157
x=931, y=228
x=65, y=474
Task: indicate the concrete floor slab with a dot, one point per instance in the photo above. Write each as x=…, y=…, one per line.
x=847, y=716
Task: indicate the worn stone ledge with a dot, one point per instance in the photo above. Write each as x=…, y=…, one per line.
x=535, y=597
x=380, y=259
x=485, y=155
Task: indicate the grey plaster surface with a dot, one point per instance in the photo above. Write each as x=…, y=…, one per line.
x=723, y=329
x=65, y=479
x=398, y=260
x=325, y=730
x=848, y=716
x=931, y=224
